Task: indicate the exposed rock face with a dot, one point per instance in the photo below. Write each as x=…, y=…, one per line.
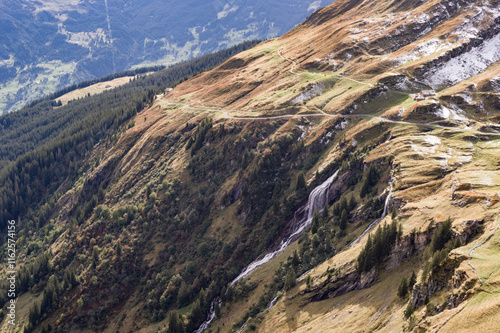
x=470, y=228
x=444, y=277
x=340, y=285
x=406, y=247
x=403, y=250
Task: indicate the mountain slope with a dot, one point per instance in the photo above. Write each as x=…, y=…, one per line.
x=320, y=131
x=48, y=44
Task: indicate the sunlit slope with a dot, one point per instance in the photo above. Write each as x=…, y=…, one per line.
x=366, y=60
x=220, y=172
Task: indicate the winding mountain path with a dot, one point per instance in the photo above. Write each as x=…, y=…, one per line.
x=226, y=115
x=464, y=304
x=478, y=246
x=294, y=64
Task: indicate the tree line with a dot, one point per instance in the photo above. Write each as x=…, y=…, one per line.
x=42, y=144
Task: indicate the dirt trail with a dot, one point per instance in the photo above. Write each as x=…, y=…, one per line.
x=431, y=124
x=478, y=246
x=294, y=64
x=464, y=304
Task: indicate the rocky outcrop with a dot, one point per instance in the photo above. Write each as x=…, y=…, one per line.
x=406, y=247
x=340, y=285
x=368, y=96
x=445, y=276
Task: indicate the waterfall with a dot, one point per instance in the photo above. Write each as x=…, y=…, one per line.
x=211, y=315
x=374, y=223
x=317, y=200
x=271, y=304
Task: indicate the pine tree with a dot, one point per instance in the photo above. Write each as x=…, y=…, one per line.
x=315, y=222
x=441, y=236
x=325, y=213
x=343, y=220
x=290, y=280
x=295, y=259
x=343, y=204
x=175, y=323
x=352, y=203
x=412, y=280
x=118, y=249
x=301, y=183
x=309, y=282
x=403, y=288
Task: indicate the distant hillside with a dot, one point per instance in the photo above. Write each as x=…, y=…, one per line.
x=47, y=44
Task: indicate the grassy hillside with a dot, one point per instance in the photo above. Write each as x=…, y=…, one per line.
x=151, y=227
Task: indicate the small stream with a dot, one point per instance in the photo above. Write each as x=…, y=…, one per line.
x=374, y=223
x=316, y=201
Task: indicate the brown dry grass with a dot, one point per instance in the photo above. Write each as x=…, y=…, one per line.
x=94, y=89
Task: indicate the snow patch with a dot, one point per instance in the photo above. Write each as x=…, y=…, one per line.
x=316, y=90
x=471, y=24
x=342, y=125
x=446, y=157
x=329, y=60
x=304, y=130
x=429, y=145
x=424, y=49
x=424, y=18
x=443, y=112
x=495, y=83
x=468, y=98
x=466, y=65
x=432, y=140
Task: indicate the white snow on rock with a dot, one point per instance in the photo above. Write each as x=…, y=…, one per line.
x=473, y=22
x=432, y=140
x=468, y=97
x=443, y=112
x=342, y=125
x=429, y=145
x=453, y=113
x=424, y=49
x=495, y=83
x=466, y=65
x=316, y=90
x=424, y=18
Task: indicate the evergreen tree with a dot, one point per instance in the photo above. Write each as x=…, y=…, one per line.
x=378, y=247
x=412, y=280
x=175, y=323
x=343, y=204
x=295, y=259
x=301, y=182
x=403, y=288
x=352, y=203
x=118, y=249
x=441, y=236
x=343, y=220
x=325, y=213
x=290, y=279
